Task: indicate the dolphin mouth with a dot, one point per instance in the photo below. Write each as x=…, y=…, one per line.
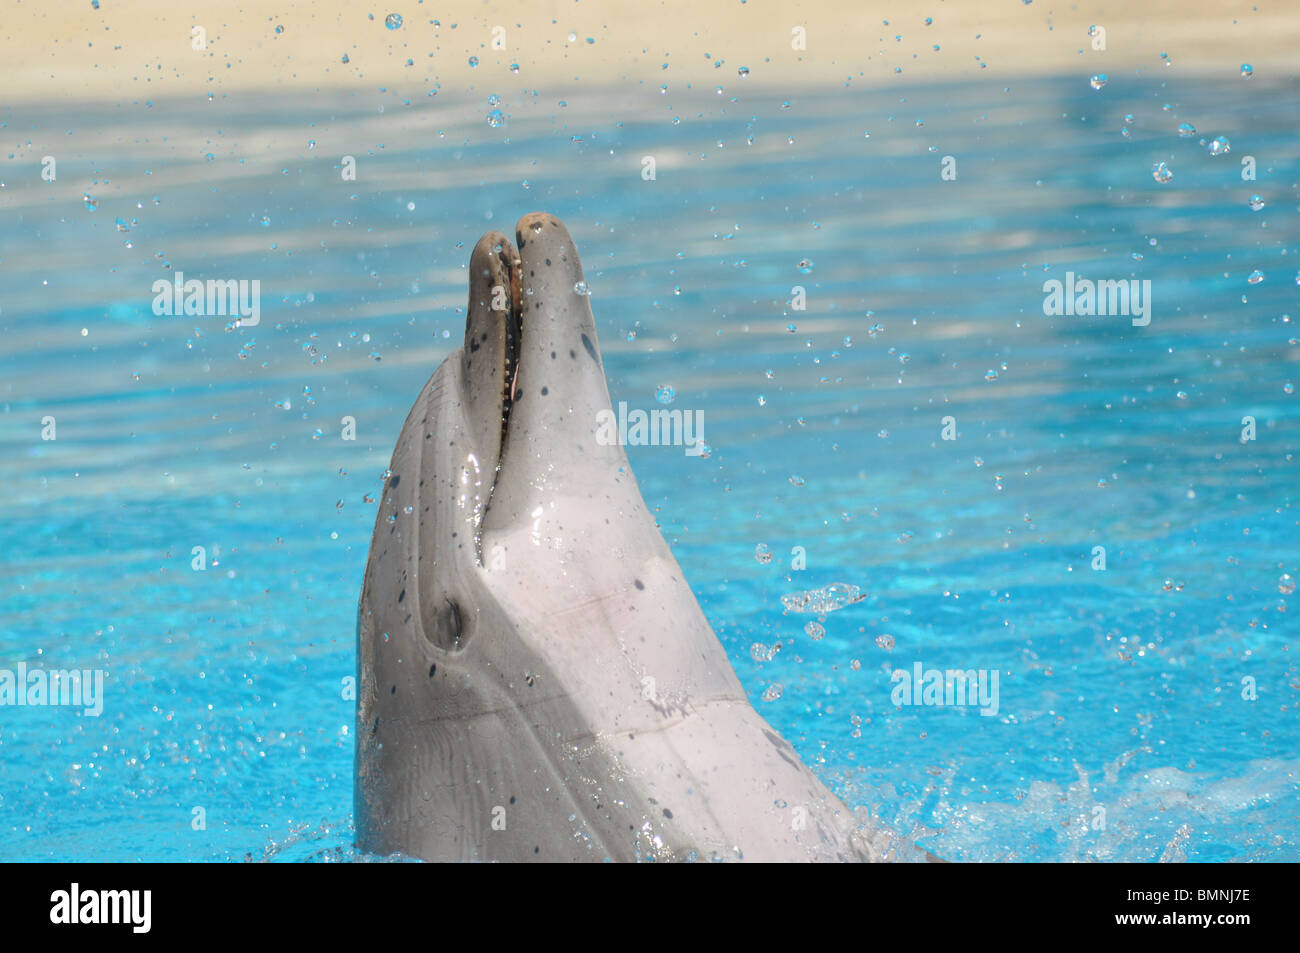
x=491, y=360
x=514, y=342
x=494, y=345
x=532, y=382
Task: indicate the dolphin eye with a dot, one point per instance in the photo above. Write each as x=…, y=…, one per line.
x=453, y=622
x=448, y=629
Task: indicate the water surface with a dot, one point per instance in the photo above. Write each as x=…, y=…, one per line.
x=1121, y=732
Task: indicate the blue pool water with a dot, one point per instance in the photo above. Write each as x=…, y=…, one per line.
x=1122, y=732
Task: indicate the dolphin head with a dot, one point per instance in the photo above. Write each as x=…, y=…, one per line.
x=537, y=680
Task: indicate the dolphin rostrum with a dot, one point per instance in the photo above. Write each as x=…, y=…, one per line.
x=537, y=679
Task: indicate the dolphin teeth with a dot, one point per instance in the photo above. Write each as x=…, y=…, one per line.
x=514, y=328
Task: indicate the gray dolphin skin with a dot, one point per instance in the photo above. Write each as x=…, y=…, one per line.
x=537, y=680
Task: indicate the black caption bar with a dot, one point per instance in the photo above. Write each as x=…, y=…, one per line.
x=141, y=903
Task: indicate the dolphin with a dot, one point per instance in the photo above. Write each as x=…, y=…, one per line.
x=537, y=680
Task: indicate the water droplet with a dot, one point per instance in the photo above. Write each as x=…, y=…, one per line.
x=773, y=692
x=821, y=601
x=1288, y=388
x=796, y=480
x=92, y=203
x=665, y=394
x=990, y=375
x=761, y=653
x=1161, y=173
x=581, y=288
x=1247, y=71
x=473, y=61
x=743, y=72
x=1285, y=584
x=1098, y=81
x=815, y=630
x=1186, y=130
x=885, y=641
x=1257, y=202
x=1255, y=277
x=345, y=59
x=496, y=118
x=1220, y=146
x=805, y=266
x=763, y=553
x=393, y=21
